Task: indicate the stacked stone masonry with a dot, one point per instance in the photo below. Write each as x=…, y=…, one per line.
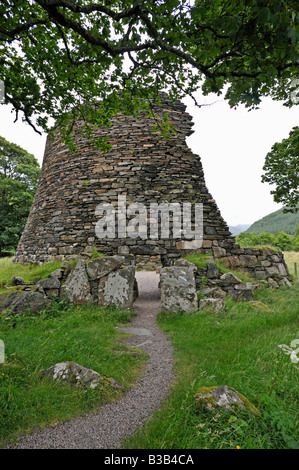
x=101, y=281
x=141, y=165
x=261, y=264
x=145, y=168
x=110, y=280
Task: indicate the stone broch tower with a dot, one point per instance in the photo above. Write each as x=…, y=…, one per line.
x=141, y=165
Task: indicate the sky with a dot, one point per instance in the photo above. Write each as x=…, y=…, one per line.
x=232, y=144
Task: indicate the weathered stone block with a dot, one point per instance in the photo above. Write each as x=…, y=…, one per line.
x=231, y=261
x=17, y=281
x=272, y=271
x=212, y=271
x=260, y=274
x=282, y=270
x=100, y=267
x=243, y=292
x=185, y=263
x=49, y=283
x=76, y=288
x=118, y=288
x=266, y=263
x=123, y=250
x=178, y=289
x=207, y=244
x=21, y=301
x=248, y=260
x=229, y=278
x=276, y=258
x=219, y=252
x=285, y=282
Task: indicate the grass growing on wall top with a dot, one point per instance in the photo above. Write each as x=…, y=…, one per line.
x=30, y=272
x=201, y=261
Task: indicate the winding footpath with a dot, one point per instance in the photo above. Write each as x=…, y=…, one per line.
x=113, y=422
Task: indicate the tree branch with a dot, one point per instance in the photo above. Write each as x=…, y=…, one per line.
x=23, y=27
x=89, y=8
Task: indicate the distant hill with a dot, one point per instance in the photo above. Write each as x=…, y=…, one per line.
x=236, y=229
x=275, y=222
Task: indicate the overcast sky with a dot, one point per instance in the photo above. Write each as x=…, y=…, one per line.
x=232, y=145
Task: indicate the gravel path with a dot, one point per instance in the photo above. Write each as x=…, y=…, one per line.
x=113, y=422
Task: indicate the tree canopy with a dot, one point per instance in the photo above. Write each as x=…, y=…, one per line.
x=89, y=60
x=57, y=55
x=282, y=169
x=19, y=173
x=282, y=240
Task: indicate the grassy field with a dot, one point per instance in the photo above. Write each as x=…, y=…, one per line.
x=63, y=332
x=239, y=348
x=30, y=272
x=292, y=257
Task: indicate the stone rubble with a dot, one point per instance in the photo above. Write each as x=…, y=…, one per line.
x=111, y=283
x=110, y=280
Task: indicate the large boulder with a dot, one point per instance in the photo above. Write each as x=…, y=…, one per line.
x=211, y=398
x=76, y=288
x=100, y=267
x=118, y=288
x=74, y=374
x=20, y=301
x=178, y=289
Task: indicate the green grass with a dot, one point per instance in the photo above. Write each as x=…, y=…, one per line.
x=238, y=348
x=275, y=249
x=95, y=254
x=292, y=257
x=201, y=261
x=33, y=343
x=30, y=272
x=62, y=332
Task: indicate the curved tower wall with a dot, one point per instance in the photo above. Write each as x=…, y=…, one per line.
x=142, y=166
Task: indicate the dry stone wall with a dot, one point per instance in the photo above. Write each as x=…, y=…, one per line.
x=142, y=166
x=261, y=264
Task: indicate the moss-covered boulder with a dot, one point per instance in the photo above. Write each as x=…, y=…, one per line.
x=20, y=301
x=73, y=374
x=210, y=398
